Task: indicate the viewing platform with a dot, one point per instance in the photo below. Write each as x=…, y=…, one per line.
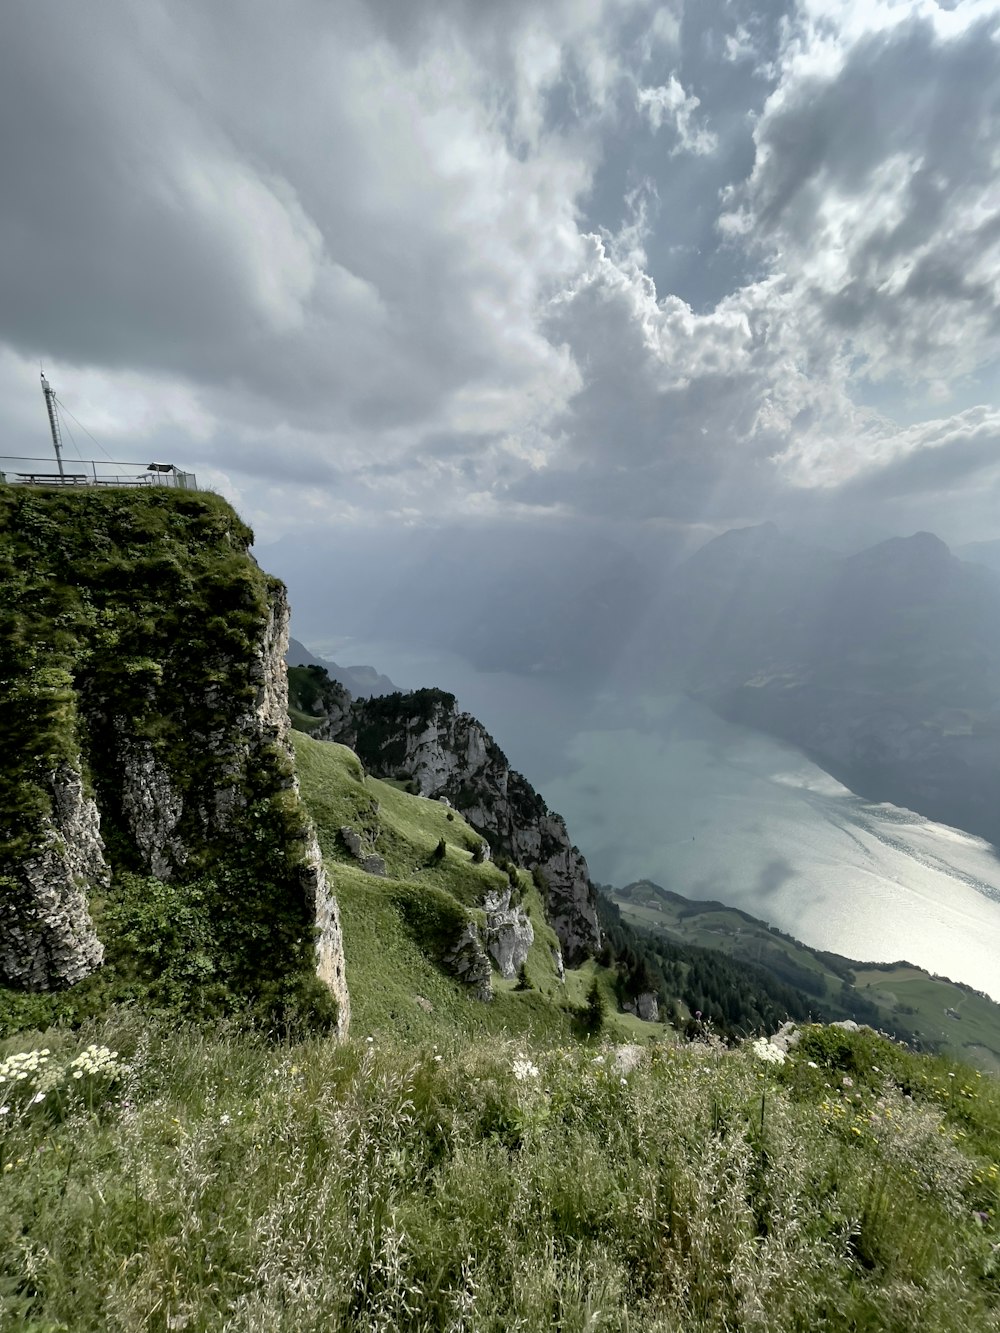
x=93, y=472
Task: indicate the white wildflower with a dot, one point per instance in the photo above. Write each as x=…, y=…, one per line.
x=524, y=1069
x=766, y=1051
x=97, y=1061
x=225, y=1119
x=812, y=1064
x=4, y=1110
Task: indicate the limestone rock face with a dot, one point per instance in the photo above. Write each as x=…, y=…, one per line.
x=467, y=960
x=370, y=862
x=508, y=934
x=329, y=937
x=424, y=737
x=47, y=941
x=266, y=723
x=645, y=1006
x=184, y=760
x=151, y=806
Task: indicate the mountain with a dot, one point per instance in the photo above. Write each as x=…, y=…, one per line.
x=153, y=844
x=981, y=553
x=883, y=666
x=358, y=679
x=930, y=1012
x=424, y=740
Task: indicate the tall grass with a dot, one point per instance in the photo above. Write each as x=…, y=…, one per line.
x=220, y=1183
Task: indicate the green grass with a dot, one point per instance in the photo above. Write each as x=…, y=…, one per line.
x=220, y=1183
x=396, y=927
x=896, y=997
x=953, y=1018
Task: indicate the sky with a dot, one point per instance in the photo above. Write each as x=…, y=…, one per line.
x=372, y=266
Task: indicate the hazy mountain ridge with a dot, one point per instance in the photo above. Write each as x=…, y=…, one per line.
x=883, y=666
x=358, y=679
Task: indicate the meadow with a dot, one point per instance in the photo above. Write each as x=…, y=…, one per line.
x=207, y=1179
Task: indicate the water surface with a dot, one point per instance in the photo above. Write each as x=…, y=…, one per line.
x=662, y=789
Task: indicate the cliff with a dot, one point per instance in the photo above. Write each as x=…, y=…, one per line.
x=425, y=739
x=147, y=769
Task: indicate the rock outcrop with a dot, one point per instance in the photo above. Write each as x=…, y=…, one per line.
x=466, y=960
x=150, y=658
x=47, y=940
x=645, y=1006
x=424, y=738
x=508, y=933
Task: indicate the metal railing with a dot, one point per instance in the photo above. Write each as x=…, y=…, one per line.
x=93, y=472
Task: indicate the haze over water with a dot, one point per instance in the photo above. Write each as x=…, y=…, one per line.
x=663, y=789
x=712, y=810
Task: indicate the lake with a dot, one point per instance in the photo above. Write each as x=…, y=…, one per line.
x=662, y=789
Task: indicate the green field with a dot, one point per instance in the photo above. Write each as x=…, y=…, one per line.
x=937, y=1013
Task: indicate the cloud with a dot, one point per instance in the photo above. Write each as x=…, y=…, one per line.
x=670, y=104
x=387, y=264
x=875, y=190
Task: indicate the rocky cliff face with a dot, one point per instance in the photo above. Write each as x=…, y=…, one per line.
x=509, y=933
x=47, y=938
x=425, y=738
x=144, y=686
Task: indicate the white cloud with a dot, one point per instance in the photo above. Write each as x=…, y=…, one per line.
x=670, y=105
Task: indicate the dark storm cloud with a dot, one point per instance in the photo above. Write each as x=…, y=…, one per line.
x=611, y=258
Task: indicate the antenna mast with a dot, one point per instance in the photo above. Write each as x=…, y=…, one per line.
x=50, y=403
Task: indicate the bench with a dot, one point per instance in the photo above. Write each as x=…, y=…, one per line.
x=52, y=479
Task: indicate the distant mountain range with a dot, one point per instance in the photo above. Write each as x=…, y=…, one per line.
x=360, y=680
x=981, y=553
x=883, y=666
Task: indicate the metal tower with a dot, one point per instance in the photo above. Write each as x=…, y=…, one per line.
x=50, y=403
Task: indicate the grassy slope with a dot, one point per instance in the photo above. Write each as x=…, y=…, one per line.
x=902, y=993
x=221, y=1185
x=388, y=941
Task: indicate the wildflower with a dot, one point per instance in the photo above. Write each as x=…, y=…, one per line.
x=770, y=1054
x=369, y=1040
x=847, y=1081
x=812, y=1064
x=38, y=1097
x=524, y=1069
x=97, y=1061
x=4, y=1110
x=225, y=1119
